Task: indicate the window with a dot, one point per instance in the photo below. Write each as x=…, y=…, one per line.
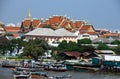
x=85, y=35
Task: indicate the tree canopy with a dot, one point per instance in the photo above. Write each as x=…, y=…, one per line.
x=73, y=46
x=117, y=50
x=35, y=48
x=84, y=41
x=102, y=46
x=116, y=42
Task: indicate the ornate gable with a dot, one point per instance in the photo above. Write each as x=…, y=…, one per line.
x=35, y=23
x=87, y=29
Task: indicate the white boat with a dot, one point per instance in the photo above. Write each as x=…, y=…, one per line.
x=22, y=75
x=55, y=67
x=28, y=69
x=60, y=77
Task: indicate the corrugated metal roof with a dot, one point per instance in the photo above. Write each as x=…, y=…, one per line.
x=50, y=32
x=42, y=32
x=111, y=58
x=64, y=32
x=104, y=51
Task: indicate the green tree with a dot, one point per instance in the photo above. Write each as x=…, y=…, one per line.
x=84, y=41
x=117, y=50
x=35, y=48
x=72, y=46
x=62, y=46
x=116, y=42
x=102, y=46
x=4, y=45
x=86, y=48
x=89, y=48
x=17, y=43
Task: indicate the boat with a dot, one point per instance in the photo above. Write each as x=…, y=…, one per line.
x=38, y=74
x=22, y=75
x=60, y=77
x=28, y=69
x=55, y=67
x=8, y=64
x=35, y=72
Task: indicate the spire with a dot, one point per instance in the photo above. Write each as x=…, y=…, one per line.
x=29, y=15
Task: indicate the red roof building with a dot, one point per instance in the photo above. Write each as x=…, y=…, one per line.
x=112, y=35
x=13, y=30
x=56, y=22
x=78, y=24
x=89, y=29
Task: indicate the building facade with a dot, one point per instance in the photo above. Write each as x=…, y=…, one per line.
x=50, y=35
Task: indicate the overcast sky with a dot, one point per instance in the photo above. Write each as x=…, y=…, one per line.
x=100, y=13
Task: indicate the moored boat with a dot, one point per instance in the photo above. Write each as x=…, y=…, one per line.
x=38, y=74
x=55, y=67
x=9, y=64
x=35, y=72
x=28, y=69
x=22, y=75
x=60, y=77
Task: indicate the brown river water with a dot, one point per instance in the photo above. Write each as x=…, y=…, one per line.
x=6, y=73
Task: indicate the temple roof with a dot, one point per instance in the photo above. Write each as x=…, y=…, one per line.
x=87, y=29
x=49, y=32
x=42, y=32
x=64, y=32
x=12, y=29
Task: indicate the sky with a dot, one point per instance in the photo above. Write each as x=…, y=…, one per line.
x=103, y=14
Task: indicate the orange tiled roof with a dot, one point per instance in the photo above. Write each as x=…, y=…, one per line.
x=61, y=19
x=71, y=23
x=42, y=25
x=78, y=24
x=51, y=20
x=67, y=22
x=85, y=27
x=58, y=22
x=12, y=29
x=57, y=19
x=35, y=22
x=91, y=33
x=48, y=22
x=112, y=34
x=27, y=22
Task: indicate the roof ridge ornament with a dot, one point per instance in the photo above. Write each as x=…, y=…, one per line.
x=29, y=15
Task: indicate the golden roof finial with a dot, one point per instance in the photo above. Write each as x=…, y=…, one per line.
x=29, y=14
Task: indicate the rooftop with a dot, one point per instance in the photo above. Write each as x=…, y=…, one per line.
x=50, y=32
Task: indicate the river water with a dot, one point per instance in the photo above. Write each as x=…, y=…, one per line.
x=6, y=73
